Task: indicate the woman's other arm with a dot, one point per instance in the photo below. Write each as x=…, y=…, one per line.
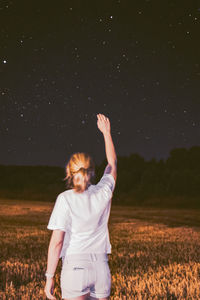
x=54, y=250
x=103, y=124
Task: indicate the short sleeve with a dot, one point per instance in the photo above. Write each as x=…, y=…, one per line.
x=108, y=180
x=106, y=186
x=60, y=215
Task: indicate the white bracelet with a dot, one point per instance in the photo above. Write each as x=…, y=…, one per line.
x=48, y=275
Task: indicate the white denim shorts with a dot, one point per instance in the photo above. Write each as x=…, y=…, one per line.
x=85, y=273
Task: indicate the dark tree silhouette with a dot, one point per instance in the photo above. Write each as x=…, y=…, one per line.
x=175, y=181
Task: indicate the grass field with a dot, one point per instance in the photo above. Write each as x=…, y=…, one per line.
x=155, y=252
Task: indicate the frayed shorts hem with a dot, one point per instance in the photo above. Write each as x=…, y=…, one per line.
x=66, y=295
x=99, y=295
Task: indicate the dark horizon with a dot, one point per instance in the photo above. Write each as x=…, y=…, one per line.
x=60, y=65
x=98, y=163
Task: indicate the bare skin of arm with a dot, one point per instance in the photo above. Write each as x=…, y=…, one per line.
x=54, y=250
x=103, y=124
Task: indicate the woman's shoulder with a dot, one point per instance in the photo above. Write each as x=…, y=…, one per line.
x=64, y=196
x=66, y=192
x=106, y=181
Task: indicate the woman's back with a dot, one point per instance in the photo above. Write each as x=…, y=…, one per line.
x=84, y=218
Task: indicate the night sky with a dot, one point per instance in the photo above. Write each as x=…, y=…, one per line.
x=62, y=62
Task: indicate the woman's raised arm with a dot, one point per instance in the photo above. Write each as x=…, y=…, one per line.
x=103, y=124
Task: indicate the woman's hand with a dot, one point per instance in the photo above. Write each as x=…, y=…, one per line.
x=49, y=288
x=103, y=124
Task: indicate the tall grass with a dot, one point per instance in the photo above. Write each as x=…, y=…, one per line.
x=155, y=252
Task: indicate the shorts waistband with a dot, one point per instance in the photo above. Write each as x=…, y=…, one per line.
x=87, y=256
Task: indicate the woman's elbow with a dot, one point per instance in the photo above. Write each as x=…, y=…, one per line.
x=57, y=238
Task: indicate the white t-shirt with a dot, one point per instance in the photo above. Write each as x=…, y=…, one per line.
x=84, y=218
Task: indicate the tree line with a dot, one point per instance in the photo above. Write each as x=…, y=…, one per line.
x=171, y=182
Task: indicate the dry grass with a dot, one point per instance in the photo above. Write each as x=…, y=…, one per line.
x=155, y=252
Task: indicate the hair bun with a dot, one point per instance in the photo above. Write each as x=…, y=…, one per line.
x=80, y=178
x=82, y=168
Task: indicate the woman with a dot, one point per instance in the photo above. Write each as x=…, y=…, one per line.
x=79, y=221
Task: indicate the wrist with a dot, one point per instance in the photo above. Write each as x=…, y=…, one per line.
x=107, y=133
x=49, y=275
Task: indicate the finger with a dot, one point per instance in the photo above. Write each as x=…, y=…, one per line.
x=49, y=293
x=49, y=296
x=101, y=117
x=52, y=297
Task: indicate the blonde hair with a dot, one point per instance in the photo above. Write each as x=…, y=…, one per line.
x=80, y=171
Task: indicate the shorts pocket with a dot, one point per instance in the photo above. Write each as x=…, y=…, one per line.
x=74, y=277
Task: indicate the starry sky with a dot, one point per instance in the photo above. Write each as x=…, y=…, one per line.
x=62, y=62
